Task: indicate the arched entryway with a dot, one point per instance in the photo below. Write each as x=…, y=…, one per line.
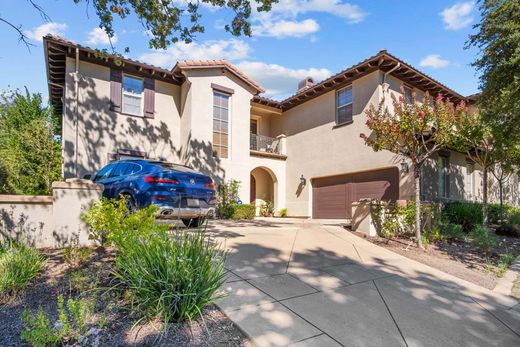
x=263, y=186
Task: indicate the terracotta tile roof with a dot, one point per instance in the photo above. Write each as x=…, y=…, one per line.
x=204, y=64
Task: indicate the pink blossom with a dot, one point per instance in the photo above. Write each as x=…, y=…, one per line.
x=421, y=114
x=401, y=98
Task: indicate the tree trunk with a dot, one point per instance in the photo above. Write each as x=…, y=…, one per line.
x=417, y=184
x=485, y=197
x=500, y=185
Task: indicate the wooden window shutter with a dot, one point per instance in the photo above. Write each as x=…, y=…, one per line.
x=116, y=78
x=149, y=97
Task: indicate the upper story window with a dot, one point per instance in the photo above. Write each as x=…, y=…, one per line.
x=344, y=105
x=132, y=95
x=408, y=95
x=469, y=181
x=443, y=166
x=220, y=125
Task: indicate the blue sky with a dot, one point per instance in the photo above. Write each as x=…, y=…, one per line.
x=297, y=39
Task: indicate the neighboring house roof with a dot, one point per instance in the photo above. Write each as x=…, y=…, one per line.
x=58, y=49
x=211, y=64
x=383, y=61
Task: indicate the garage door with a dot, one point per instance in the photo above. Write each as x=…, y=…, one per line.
x=332, y=197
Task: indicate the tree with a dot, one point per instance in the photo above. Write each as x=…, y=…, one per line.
x=483, y=140
x=167, y=21
x=29, y=147
x=414, y=131
x=499, y=59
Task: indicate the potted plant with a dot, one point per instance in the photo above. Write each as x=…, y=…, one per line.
x=267, y=209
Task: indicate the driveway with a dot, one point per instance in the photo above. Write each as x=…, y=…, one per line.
x=309, y=283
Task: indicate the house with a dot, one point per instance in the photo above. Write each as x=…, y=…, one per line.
x=303, y=153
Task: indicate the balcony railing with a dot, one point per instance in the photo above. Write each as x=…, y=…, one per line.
x=266, y=144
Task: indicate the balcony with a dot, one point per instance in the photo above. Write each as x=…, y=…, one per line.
x=261, y=145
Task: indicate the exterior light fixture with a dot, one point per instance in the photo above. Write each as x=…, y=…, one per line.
x=303, y=181
x=404, y=166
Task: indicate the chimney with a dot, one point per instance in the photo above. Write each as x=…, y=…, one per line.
x=305, y=84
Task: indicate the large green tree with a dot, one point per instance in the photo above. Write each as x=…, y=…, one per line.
x=30, y=155
x=166, y=21
x=498, y=60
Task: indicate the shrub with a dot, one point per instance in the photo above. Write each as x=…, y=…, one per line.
x=282, y=212
x=170, y=276
x=19, y=265
x=451, y=232
x=243, y=211
x=74, y=326
x=467, y=214
x=227, y=194
x=482, y=238
x=393, y=220
x=110, y=220
x=75, y=256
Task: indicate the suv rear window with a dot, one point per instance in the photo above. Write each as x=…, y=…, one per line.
x=176, y=167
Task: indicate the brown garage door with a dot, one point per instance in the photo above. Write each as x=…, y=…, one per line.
x=332, y=197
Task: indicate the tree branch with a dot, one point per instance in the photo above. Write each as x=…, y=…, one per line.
x=21, y=36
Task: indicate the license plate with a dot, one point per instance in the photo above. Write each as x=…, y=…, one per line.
x=193, y=203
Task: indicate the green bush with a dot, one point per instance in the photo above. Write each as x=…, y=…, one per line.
x=110, y=220
x=243, y=211
x=227, y=194
x=19, y=265
x=393, y=220
x=482, y=238
x=467, y=214
x=173, y=277
x=282, y=212
x=512, y=230
x=504, y=263
x=451, y=232
x=74, y=326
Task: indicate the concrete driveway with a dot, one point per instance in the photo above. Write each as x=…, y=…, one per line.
x=310, y=283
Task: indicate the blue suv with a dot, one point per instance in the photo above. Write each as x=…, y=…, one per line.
x=178, y=191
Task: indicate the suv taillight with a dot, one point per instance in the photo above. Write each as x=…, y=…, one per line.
x=151, y=179
x=210, y=185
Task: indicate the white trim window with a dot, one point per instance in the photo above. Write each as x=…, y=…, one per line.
x=132, y=95
x=344, y=105
x=469, y=181
x=220, y=125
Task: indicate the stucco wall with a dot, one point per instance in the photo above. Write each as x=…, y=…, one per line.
x=317, y=148
x=49, y=221
x=101, y=131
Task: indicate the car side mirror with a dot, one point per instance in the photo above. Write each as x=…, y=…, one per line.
x=87, y=176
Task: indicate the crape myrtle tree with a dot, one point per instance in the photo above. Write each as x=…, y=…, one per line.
x=414, y=131
x=166, y=21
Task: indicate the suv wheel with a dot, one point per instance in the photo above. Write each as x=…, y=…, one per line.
x=193, y=222
x=130, y=203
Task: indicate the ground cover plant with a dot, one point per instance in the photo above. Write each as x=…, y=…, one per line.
x=19, y=265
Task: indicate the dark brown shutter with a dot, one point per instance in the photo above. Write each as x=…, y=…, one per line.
x=116, y=77
x=149, y=97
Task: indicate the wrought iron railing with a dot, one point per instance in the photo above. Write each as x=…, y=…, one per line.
x=264, y=143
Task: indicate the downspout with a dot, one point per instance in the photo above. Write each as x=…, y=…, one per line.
x=76, y=111
x=384, y=84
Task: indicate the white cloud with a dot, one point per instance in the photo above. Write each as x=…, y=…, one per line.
x=352, y=13
x=98, y=36
x=434, y=61
x=280, y=81
x=458, y=16
x=286, y=28
x=39, y=32
x=231, y=49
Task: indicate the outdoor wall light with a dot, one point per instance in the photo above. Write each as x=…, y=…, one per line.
x=404, y=166
x=303, y=181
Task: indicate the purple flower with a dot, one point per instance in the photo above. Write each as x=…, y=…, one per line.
x=94, y=331
x=58, y=325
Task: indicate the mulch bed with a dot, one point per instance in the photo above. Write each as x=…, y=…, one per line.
x=213, y=329
x=459, y=259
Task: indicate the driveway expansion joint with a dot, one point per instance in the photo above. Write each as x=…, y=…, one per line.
x=390, y=313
